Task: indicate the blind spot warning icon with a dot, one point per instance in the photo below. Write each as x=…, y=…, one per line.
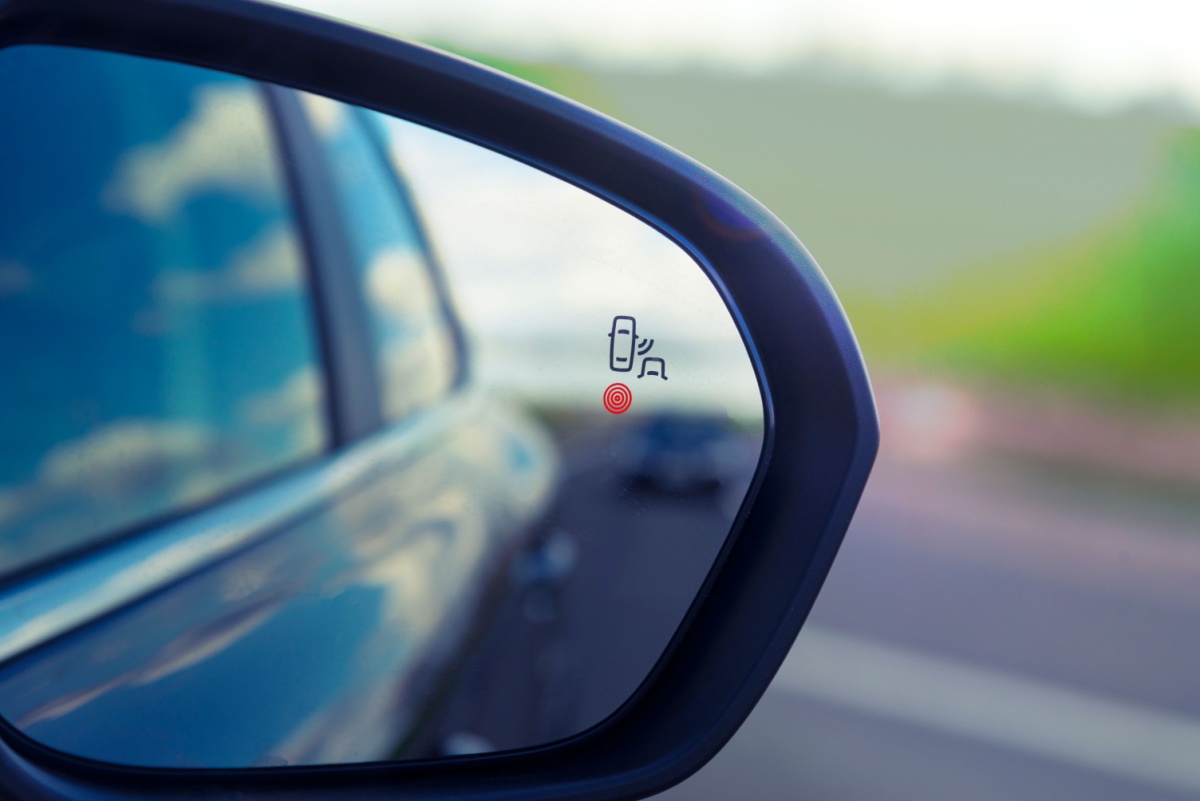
x=617, y=398
x=625, y=347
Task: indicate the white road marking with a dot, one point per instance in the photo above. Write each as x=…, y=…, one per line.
x=995, y=706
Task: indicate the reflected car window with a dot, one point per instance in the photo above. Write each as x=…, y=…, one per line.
x=415, y=350
x=152, y=297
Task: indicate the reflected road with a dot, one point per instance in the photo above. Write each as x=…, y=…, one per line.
x=585, y=616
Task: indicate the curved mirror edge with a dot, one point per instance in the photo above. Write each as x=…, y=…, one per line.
x=500, y=567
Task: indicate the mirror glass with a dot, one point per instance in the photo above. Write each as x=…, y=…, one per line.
x=327, y=437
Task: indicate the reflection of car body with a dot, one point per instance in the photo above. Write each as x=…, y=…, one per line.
x=282, y=570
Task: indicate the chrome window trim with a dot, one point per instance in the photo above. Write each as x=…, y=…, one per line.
x=51, y=603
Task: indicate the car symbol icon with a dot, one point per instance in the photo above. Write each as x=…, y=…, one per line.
x=622, y=339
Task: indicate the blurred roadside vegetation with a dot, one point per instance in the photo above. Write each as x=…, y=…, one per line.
x=1120, y=311
x=1000, y=239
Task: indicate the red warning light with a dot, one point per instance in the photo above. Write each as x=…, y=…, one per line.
x=617, y=398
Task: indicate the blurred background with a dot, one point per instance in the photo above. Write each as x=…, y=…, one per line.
x=1006, y=198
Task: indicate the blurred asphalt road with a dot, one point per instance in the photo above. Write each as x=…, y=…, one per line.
x=988, y=631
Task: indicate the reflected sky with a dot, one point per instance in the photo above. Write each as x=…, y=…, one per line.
x=151, y=297
x=540, y=268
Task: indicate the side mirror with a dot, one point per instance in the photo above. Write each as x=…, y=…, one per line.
x=388, y=426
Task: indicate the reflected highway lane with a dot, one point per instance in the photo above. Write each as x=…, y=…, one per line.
x=988, y=631
x=587, y=614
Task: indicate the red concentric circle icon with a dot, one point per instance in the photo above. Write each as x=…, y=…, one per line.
x=617, y=398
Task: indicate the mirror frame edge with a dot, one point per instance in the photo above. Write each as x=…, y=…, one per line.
x=820, y=429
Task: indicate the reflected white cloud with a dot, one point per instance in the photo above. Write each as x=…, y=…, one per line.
x=415, y=372
x=267, y=265
x=329, y=116
x=417, y=361
x=397, y=283
x=218, y=146
x=124, y=456
x=270, y=263
x=15, y=278
x=296, y=404
x=113, y=475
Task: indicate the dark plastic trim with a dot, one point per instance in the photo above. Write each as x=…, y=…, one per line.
x=820, y=440
x=433, y=262
x=351, y=378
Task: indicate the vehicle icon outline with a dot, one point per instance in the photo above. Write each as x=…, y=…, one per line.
x=620, y=356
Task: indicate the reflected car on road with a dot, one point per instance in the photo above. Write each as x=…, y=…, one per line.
x=687, y=454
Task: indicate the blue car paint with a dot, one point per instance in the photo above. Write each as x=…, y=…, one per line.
x=322, y=642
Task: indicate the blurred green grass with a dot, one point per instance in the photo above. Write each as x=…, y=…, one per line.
x=1119, y=313
x=1002, y=239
